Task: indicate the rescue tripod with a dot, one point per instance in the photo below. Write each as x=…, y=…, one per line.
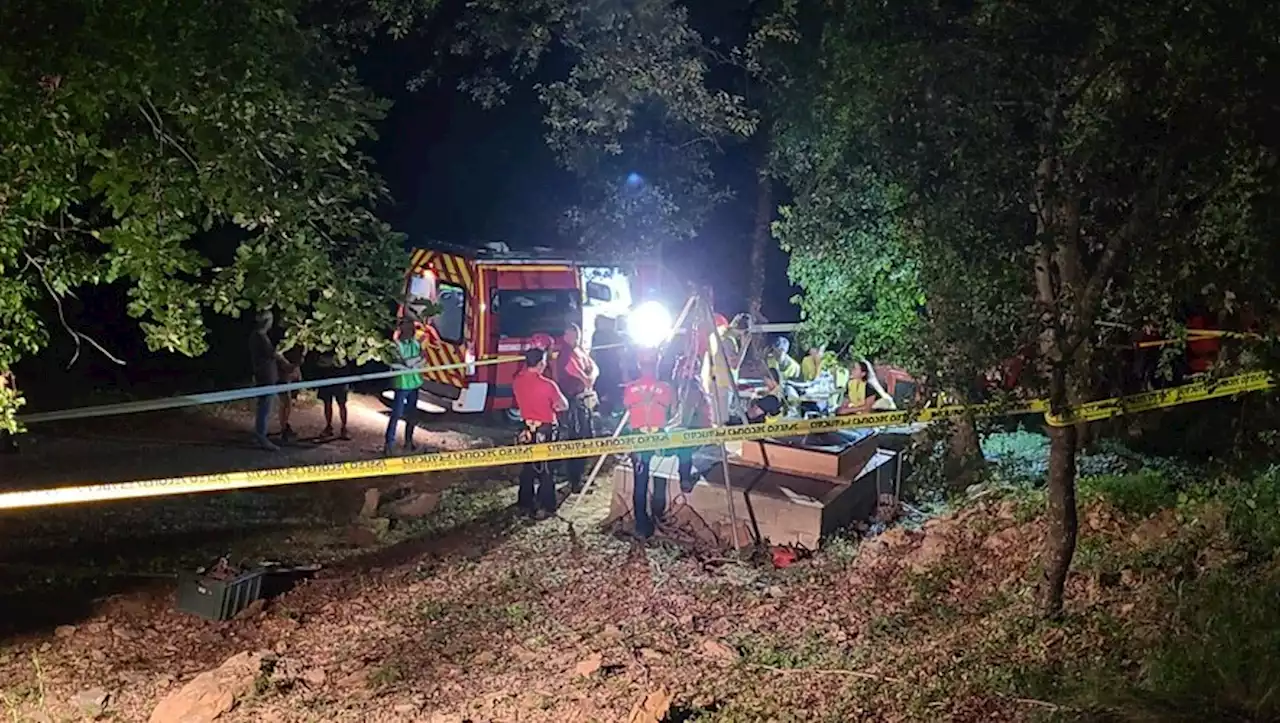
x=701, y=318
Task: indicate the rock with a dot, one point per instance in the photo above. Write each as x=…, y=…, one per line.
x=589, y=665
x=212, y=693
x=414, y=506
x=653, y=709
x=64, y=631
x=651, y=654
x=372, y=497
x=719, y=651
x=313, y=677
x=405, y=709
x=92, y=702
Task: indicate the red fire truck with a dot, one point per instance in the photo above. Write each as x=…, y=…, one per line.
x=495, y=302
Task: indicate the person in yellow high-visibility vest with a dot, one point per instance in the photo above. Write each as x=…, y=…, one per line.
x=724, y=384
x=859, y=398
x=811, y=365
x=780, y=360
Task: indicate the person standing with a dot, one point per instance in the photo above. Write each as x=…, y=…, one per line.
x=330, y=394
x=266, y=362
x=576, y=376
x=539, y=401
x=693, y=411
x=606, y=352
x=408, y=356
x=648, y=402
x=290, y=363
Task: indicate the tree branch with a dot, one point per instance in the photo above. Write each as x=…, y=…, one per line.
x=76, y=336
x=1144, y=209
x=162, y=135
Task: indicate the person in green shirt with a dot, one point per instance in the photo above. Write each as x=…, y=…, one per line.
x=408, y=356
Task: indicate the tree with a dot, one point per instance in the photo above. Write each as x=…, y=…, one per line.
x=854, y=260
x=1060, y=165
x=206, y=154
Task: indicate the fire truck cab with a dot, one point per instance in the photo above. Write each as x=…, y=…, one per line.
x=495, y=302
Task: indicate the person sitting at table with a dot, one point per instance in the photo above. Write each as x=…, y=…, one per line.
x=770, y=404
x=859, y=398
x=811, y=365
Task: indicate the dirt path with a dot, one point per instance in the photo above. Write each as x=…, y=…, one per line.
x=207, y=439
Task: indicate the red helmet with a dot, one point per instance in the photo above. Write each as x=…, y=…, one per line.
x=541, y=341
x=720, y=321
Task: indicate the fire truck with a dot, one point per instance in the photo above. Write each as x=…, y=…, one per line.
x=495, y=302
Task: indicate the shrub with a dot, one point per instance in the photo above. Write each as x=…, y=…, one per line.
x=1139, y=494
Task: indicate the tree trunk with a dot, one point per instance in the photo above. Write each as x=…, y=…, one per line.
x=761, y=233
x=1060, y=543
x=965, y=463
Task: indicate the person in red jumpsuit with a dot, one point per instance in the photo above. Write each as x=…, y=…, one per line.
x=648, y=401
x=539, y=401
x=576, y=374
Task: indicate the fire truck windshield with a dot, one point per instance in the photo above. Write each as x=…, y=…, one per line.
x=521, y=314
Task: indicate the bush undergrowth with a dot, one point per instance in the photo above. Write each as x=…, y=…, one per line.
x=1212, y=652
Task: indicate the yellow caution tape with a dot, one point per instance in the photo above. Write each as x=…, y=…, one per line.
x=497, y=456
x=1185, y=394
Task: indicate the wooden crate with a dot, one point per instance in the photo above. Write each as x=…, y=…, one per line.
x=774, y=507
x=831, y=456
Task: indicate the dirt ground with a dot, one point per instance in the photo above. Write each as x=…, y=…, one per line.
x=57, y=564
x=467, y=613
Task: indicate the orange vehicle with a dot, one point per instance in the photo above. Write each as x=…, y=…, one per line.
x=495, y=302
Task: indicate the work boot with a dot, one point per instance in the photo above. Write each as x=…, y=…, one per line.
x=267, y=445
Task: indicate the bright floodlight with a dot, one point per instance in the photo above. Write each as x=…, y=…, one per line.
x=649, y=324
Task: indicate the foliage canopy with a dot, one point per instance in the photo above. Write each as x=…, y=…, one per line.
x=206, y=154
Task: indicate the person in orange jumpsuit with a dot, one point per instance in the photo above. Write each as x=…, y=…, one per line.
x=648, y=401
